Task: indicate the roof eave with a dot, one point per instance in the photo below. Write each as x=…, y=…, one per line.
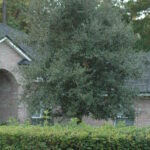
x=15, y=47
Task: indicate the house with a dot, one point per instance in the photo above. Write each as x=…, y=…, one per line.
x=14, y=53
x=143, y=101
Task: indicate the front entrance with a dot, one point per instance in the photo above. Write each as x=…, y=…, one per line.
x=8, y=96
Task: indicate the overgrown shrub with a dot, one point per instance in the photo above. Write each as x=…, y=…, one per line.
x=73, y=137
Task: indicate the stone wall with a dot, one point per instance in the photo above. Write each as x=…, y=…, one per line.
x=143, y=112
x=142, y=119
x=10, y=74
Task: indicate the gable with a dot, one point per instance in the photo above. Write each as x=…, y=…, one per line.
x=8, y=57
x=15, y=48
x=17, y=37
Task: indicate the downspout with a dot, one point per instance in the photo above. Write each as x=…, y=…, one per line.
x=4, y=12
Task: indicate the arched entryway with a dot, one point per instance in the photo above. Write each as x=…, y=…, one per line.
x=8, y=95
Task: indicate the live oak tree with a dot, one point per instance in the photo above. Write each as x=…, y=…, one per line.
x=83, y=59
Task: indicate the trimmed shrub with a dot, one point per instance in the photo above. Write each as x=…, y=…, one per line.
x=74, y=137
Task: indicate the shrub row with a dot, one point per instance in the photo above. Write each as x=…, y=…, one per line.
x=81, y=137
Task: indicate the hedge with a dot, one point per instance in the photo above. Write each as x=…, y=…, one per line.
x=80, y=137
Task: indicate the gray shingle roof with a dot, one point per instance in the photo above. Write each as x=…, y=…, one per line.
x=6, y=30
x=143, y=83
x=18, y=37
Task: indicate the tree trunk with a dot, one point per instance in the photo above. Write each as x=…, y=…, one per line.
x=4, y=12
x=79, y=121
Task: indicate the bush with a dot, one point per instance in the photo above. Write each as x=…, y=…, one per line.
x=73, y=137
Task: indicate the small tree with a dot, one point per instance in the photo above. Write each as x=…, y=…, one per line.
x=84, y=58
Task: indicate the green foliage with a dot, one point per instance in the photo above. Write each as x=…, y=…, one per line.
x=81, y=137
x=17, y=14
x=47, y=117
x=84, y=57
x=13, y=121
x=121, y=124
x=27, y=122
x=140, y=26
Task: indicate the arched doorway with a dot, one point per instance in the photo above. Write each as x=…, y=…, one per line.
x=8, y=95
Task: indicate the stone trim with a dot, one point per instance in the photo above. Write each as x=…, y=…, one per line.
x=16, y=48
